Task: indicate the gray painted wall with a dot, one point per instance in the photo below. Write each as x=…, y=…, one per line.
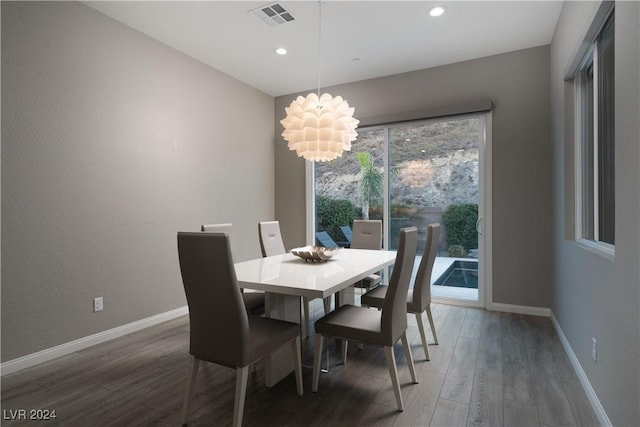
x=518, y=85
x=594, y=297
x=111, y=143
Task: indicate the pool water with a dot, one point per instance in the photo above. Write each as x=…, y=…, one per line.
x=461, y=274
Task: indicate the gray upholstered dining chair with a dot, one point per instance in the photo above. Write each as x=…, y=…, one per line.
x=367, y=234
x=220, y=330
x=271, y=243
x=253, y=300
x=383, y=328
x=419, y=300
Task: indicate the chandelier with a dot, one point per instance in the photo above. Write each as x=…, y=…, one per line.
x=319, y=128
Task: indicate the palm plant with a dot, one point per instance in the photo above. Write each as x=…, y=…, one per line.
x=370, y=185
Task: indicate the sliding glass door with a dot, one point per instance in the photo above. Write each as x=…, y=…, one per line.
x=434, y=177
x=414, y=174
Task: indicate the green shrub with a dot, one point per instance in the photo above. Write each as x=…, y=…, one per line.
x=333, y=213
x=456, y=251
x=460, y=225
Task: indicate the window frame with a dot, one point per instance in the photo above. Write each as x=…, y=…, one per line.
x=587, y=146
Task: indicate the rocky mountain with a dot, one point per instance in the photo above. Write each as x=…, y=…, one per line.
x=433, y=165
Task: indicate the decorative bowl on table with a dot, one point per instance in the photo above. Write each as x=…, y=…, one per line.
x=315, y=253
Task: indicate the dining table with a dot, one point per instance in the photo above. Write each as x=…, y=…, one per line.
x=285, y=278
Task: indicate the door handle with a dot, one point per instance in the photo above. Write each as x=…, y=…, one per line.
x=478, y=225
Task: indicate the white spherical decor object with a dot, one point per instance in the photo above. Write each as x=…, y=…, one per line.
x=319, y=129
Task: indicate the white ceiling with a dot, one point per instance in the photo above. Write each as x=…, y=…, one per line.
x=389, y=37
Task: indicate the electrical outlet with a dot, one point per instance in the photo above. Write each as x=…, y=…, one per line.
x=98, y=304
x=594, y=349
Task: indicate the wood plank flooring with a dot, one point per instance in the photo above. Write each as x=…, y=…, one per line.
x=490, y=369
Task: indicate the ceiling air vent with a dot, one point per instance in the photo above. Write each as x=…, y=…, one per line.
x=272, y=14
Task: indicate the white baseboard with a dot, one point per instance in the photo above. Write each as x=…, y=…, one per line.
x=520, y=309
x=586, y=385
x=29, y=360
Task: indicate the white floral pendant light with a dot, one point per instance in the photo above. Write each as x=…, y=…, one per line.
x=319, y=128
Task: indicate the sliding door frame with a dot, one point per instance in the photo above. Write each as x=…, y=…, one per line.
x=485, y=225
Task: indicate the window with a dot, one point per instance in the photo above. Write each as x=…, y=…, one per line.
x=595, y=142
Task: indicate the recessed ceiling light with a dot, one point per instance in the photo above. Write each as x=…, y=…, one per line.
x=437, y=10
x=281, y=51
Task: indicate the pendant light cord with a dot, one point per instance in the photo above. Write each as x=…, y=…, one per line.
x=319, y=43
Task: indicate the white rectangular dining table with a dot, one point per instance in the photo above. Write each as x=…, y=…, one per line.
x=285, y=278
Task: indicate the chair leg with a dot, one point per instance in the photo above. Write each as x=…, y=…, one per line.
x=423, y=335
x=297, y=359
x=242, y=374
x=192, y=373
x=393, y=372
x=317, y=359
x=409, y=356
x=345, y=347
x=433, y=325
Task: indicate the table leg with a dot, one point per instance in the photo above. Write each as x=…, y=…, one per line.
x=346, y=296
x=280, y=363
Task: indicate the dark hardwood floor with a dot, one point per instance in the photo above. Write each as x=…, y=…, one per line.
x=490, y=369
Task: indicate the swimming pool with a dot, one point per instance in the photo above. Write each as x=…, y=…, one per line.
x=460, y=274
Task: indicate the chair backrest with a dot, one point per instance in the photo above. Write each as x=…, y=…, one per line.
x=325, y=240
x=270, y=238
x=367, y=234
x=217, y=228
x=422, y=285
x=226, y=228
x=218, y=322
x=394, y=309
x=348, y=233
